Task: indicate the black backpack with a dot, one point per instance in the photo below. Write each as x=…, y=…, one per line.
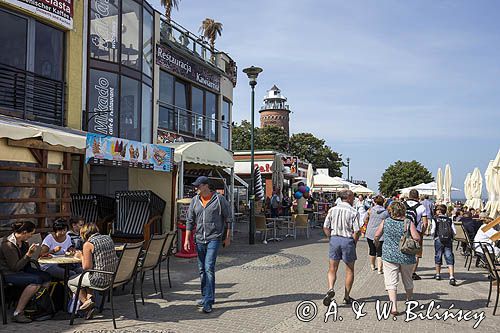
x=411, y=213
x=40, y=307
x=443, y=230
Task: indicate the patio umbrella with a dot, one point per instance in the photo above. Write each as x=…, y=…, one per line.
x=439, y=183
x=467, y=189
x=490, y=188
x=277, y=176
x=447, y=184
x=476, y=189
x=495, y=182
x=310, y=176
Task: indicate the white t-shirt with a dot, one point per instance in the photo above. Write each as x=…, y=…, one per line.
x=421, y=212
x=484, y=237
x=51, y=243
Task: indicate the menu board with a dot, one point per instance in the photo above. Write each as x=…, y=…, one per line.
x=106, y=150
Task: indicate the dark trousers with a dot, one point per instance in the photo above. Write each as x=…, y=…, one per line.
x=375, y=251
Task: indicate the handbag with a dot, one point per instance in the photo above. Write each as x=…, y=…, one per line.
x=407, y=244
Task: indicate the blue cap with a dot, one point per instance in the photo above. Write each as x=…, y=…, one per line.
x=201, y=180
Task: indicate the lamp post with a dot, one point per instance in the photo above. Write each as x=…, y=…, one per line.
x=347, y=165
x=252, y=73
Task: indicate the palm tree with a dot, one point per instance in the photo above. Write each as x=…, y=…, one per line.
x=210, y=29
x=169, y=4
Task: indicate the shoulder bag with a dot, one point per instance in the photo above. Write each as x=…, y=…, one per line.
x=407, y=244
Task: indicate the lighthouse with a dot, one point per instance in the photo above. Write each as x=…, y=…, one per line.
x=275, y=111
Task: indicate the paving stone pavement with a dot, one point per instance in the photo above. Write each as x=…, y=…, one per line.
x=259, y=288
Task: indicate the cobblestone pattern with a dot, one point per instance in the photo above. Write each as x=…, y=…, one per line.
x=260, y=286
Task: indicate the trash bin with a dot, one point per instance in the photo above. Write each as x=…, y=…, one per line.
x=182, y=209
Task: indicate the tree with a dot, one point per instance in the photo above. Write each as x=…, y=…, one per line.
x=169, y=4
x=403, y=174
x=271, y=138
x=241, y=136
x=308, y=147
x=210, y=29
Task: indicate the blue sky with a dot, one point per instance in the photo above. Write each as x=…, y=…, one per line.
x=380, y=81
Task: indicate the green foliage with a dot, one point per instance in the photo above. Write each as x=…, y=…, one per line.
x=241, y=136
x=403, y=174
x=271, y=138
x=308, y=147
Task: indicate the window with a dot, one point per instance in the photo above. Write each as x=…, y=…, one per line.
x=147, y=44
x=211, y=116
x=197, y=108
x=102, y=103
x=130, y=103
x=225, y=125
x=166, y=112
x=131, y=24
x=103, y=39
x=49, y=54
x=181, y=104
x=147, y=114
x=13, y=38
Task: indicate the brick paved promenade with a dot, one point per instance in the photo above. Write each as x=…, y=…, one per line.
x=259, y=287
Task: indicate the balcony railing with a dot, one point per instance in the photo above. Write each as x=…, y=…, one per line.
x=30, y=96
x=175, y=33
x=186, y=122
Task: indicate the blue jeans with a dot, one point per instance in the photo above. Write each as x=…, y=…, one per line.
x=447, y=250
x=207, y=255
x=27, y=276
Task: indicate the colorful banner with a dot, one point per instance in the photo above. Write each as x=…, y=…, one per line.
x=57, y=11
x=291, y=164
x=106, y=150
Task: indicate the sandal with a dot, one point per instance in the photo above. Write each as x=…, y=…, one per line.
x=348, y=301
x=89, y=303
x=395, y=313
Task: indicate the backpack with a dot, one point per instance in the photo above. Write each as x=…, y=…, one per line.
x=443, y=230
x=274, y=201
x=40, y=307
x=411, y=213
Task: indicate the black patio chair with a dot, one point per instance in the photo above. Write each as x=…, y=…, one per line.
x=167, y=252
x=471, y=253
x=493, y=270
x=151, y=259
x=126, y=271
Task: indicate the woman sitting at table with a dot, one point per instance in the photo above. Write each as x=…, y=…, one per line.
x=15, y=256
x=59, y=243
x=99, y=254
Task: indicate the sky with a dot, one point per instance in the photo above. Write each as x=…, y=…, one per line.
x=379, y=81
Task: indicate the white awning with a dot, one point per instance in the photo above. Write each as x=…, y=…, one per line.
x=18, y=129
x=202, y=152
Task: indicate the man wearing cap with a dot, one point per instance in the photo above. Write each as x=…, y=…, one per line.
x=209, y=214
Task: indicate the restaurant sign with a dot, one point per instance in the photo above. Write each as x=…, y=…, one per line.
x=106, y=150
x=167, y=59
x=57, y=11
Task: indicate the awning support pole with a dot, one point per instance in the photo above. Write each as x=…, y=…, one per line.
x=231, y=196
x=181, y=179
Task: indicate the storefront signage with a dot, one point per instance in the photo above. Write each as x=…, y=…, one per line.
x=169, y=137
x=103, y=95
x=104, y=26
x=291, y=164
x=177, y=64
x=106, y=150
x=57, y=11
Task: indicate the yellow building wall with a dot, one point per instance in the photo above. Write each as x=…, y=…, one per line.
x=21, y=154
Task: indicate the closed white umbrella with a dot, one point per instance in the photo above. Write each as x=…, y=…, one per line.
x=277, y=176
x=476, y=189
x=467, y=189
x=495, y=182
x=447, y=184
x=489, y=186
x=439, y=184
x=310, y=176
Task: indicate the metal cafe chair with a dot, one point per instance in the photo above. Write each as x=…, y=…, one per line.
x=262, y=226
x=167, y=252
x=126, y=271
x=493, y=270
x=301, y=221
x=471, y=250
x=151, y=259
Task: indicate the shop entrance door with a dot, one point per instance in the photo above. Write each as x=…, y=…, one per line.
x=106, y=180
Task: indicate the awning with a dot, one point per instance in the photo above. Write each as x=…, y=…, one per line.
x=202, y=152
x=18, y=129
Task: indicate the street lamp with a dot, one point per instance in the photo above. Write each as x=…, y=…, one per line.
x=347, y=165
x=252, y=73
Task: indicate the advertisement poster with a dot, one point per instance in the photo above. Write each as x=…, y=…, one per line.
x=291, y=164
x=57, y=11
x=106, y=150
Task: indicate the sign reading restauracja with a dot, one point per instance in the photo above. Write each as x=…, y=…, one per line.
x=167, y=59
x=57, y=11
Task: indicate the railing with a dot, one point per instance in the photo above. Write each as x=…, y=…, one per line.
x=30, y=96
x=275, y=107
x=180, y=36
x=186, y=122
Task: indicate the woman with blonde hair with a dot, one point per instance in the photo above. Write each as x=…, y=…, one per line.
x=99, y=254
x=394, y=261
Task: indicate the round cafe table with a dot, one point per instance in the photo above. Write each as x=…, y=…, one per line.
x=65, y=261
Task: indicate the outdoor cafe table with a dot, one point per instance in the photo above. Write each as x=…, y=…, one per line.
x=275, y=221
x=65, y=261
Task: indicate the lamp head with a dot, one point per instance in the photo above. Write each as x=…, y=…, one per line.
x=252, y=73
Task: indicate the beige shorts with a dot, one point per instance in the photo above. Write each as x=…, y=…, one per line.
x=391, y=275
x=73, y=283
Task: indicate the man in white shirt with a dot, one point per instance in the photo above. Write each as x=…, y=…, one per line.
x=484, y=237
x=422, y=222
x=342, y=226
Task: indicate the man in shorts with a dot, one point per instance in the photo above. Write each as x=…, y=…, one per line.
x=422, y=222
x=342, y=226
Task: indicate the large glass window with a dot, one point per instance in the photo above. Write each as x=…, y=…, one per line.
x=211, y=116
x=197, y=108
x=13, y=40
x=130, y=105
x=166, y=113
x=147, y=114
x=103, y=39
x=147, y=44
x=181, y=104
x=49, y=51
x=225, y=125
x=102, y=104
x=131, y=27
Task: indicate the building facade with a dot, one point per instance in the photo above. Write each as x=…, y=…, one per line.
x=275, y=111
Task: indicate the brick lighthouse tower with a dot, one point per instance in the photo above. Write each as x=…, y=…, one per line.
x=275, y=111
